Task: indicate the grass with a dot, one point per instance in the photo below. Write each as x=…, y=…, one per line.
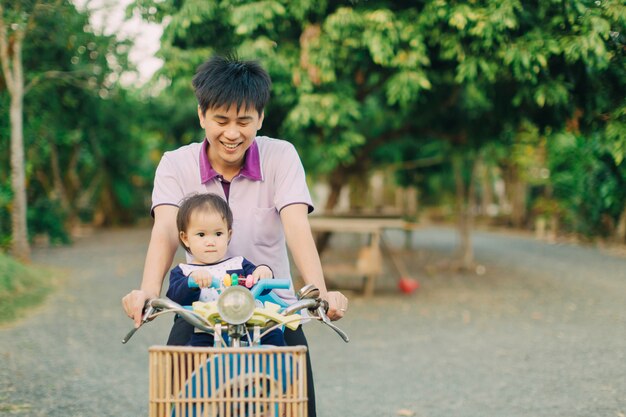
x=21, y=287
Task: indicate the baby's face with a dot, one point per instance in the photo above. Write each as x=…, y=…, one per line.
x=206, y=237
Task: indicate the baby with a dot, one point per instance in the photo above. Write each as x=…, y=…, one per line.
x=204, y=224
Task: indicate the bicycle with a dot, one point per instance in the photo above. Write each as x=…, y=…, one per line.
x=238, y=376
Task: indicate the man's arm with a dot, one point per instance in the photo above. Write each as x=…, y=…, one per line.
x=302, y=247
x=161, y=251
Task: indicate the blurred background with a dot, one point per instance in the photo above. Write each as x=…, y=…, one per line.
x=500, y=113
x=456, y=141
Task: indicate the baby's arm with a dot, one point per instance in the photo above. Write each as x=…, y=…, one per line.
x=262, y=272
x=257, y=272
x=179, y=290
x=203, y=278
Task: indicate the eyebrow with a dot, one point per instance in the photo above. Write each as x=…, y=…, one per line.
x=242, y=118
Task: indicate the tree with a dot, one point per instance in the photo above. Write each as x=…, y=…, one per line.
x=324, y=101
x=353, y=80
x=81, y=142
x=14, y=26
x=84, y=156
x=513, y=73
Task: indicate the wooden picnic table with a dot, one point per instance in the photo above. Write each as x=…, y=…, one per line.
x=369, y=261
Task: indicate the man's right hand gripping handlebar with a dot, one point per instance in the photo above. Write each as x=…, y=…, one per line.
x=337, y=304
x=134, y=303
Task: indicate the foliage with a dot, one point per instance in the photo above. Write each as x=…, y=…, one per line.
x=21, y=287
x=527, y=88
x=47, y=217
x=587, y=183
x=84, y=152
x=359, y=84
x=5, y=218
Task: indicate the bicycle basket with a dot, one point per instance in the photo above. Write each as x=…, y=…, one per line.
x=266, y=381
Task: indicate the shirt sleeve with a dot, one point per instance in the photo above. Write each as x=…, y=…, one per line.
x=248, y=267
x=179, y=291
x=290, y=179
x=167, y=187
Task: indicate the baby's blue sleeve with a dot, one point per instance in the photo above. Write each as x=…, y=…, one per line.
x=248, y=267
x=179, y=291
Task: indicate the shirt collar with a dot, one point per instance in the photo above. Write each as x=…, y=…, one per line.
x=251, y=165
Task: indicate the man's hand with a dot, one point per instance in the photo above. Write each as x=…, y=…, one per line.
x=133, y=304
x=337, y=305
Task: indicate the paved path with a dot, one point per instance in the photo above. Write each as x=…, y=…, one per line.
x=541, y=333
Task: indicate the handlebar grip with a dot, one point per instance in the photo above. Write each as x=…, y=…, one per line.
x=191, y=283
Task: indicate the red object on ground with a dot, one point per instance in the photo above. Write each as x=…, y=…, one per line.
x=408, y=285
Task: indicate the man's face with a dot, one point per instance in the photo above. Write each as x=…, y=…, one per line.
x=230, y=134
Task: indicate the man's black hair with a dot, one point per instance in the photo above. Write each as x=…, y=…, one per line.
x=226, y=80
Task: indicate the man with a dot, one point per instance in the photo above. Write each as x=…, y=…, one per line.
x=261, y=178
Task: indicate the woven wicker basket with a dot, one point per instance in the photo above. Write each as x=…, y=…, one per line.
x=266, y=381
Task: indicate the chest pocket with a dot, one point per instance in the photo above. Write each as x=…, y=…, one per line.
x=267, y=227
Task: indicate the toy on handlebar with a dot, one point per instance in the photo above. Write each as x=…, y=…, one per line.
x=261, y=289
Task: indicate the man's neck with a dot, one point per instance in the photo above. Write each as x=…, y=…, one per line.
x=227, y=171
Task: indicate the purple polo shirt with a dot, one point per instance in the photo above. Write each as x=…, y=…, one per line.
x=272, y=178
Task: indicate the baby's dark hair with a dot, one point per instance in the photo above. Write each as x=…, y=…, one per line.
x=223, y=81
x=206, y=201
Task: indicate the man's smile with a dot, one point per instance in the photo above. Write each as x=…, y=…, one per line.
x=231, y=146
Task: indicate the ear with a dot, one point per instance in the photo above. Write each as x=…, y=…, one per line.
x=183, y=238
x=261, y=120
x=230, y=235
x=201, y=117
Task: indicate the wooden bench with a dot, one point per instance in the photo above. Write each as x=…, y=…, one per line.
x=369, y=260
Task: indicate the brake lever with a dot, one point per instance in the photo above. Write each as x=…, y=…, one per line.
x=321, y=313
x=149, y=310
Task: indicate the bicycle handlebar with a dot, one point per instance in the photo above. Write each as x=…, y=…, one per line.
x=316, y=306
x=188, y=315
x=258, y=288
x=156, y=305
x=261, y=290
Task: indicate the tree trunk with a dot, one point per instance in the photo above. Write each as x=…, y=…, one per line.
x=336, y=184
x=20, y=247
x=620, y=231
x=486, y=188
x=465, y=199
x=57, y=180
x=517, y=192
x=11, y=60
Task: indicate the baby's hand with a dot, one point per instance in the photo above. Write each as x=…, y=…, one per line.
x=203, y=278
x=262, y=272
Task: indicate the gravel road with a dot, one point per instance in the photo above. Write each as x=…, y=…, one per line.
x=540, y=332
